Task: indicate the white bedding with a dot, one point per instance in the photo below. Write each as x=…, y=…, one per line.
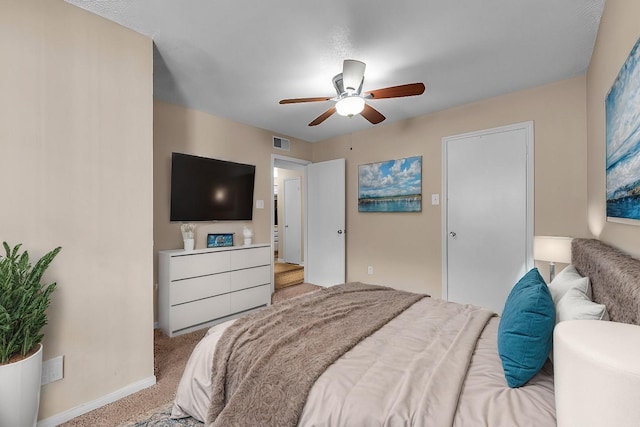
x=194, y=390
x=383, y=382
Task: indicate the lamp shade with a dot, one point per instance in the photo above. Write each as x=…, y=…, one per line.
x=552, y=249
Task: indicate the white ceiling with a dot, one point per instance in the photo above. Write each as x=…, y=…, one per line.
x=238, y=58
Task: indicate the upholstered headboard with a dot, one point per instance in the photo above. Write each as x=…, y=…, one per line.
x=614, y=275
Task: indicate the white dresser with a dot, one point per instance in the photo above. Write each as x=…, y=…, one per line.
x=200, y=288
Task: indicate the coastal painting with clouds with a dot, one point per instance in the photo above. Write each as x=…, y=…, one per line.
x=623, y=141
x=391, y=186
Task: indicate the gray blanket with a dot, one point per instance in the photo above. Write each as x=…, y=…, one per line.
x=266, y=363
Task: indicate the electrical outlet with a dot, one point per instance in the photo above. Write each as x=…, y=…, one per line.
x=52, y=370
x=370, y=270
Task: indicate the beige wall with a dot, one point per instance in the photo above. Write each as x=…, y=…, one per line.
x=179, y=129
x=619, y=31
x=76, y=160
x=405, y=249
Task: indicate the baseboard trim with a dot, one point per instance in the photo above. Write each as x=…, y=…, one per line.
x=82, y=409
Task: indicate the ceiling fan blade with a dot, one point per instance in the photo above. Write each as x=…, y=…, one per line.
x=322, y=117
x=371, y=114
x=297, y=100
x=397, y=91
x=352, y=74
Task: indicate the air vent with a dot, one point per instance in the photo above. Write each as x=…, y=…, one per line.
x=281, y=143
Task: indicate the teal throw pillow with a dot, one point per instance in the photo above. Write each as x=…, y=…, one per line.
x=525, y=332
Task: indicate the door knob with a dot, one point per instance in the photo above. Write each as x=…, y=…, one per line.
x=340, y=231
x=452, y=234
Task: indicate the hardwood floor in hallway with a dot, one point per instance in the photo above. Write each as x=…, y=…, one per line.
x=287, y=274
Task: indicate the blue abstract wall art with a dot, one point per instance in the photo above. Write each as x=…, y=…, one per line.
x=622, y=107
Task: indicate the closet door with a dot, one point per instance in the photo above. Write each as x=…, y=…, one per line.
x=487, y=214
x=325, y=262
x=292, y=232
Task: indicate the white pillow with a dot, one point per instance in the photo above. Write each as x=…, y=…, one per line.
x=576, y=305
x=567, y=279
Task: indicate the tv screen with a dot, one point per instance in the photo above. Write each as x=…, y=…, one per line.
x=204, y=189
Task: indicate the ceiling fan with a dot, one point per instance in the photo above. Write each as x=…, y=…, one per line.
x=351, y=101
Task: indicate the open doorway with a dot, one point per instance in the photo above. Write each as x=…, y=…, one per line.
x=288, y=221
x=323, y=218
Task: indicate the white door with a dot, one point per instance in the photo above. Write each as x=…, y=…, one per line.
x=487, y=214
x=292, y=230
x=325, y=242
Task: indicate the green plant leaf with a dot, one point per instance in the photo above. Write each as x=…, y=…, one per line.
x=24, y=300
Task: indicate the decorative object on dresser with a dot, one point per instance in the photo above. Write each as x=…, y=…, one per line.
x=248, y=235
x=552, y=249
x=219, y=240
x=207, y=286
x=188, y=236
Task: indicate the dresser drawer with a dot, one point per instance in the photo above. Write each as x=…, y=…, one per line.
x=250, y=277
x=250, y=298
x=196, y=312
x=250, y=258
x=199, y=265
x=199, y=287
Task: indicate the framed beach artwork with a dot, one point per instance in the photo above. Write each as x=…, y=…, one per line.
x=219, y=240
x=391, y=186
x=622, y=107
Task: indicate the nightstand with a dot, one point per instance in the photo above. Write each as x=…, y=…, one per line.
x=597, y=373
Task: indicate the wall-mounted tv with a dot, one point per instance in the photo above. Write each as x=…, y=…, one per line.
x=204, y=189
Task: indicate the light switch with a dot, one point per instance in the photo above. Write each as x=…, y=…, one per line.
x=435, y=199
x=259, y=204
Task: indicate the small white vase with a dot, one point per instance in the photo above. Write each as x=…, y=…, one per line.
x=189, y=244
x=248, y=235
x=20, y=391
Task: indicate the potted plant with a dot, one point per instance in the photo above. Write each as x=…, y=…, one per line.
x=23, y=304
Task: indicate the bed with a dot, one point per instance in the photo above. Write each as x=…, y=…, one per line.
x=417, y=361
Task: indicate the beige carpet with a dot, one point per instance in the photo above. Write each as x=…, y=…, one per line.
x=171, y=356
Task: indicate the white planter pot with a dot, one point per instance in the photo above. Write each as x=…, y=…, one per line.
x=20, y=391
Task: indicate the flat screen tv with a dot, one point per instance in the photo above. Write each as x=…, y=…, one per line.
x=204, y=189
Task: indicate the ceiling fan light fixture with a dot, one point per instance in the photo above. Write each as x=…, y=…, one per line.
x=350, y=106
x=352, y=74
